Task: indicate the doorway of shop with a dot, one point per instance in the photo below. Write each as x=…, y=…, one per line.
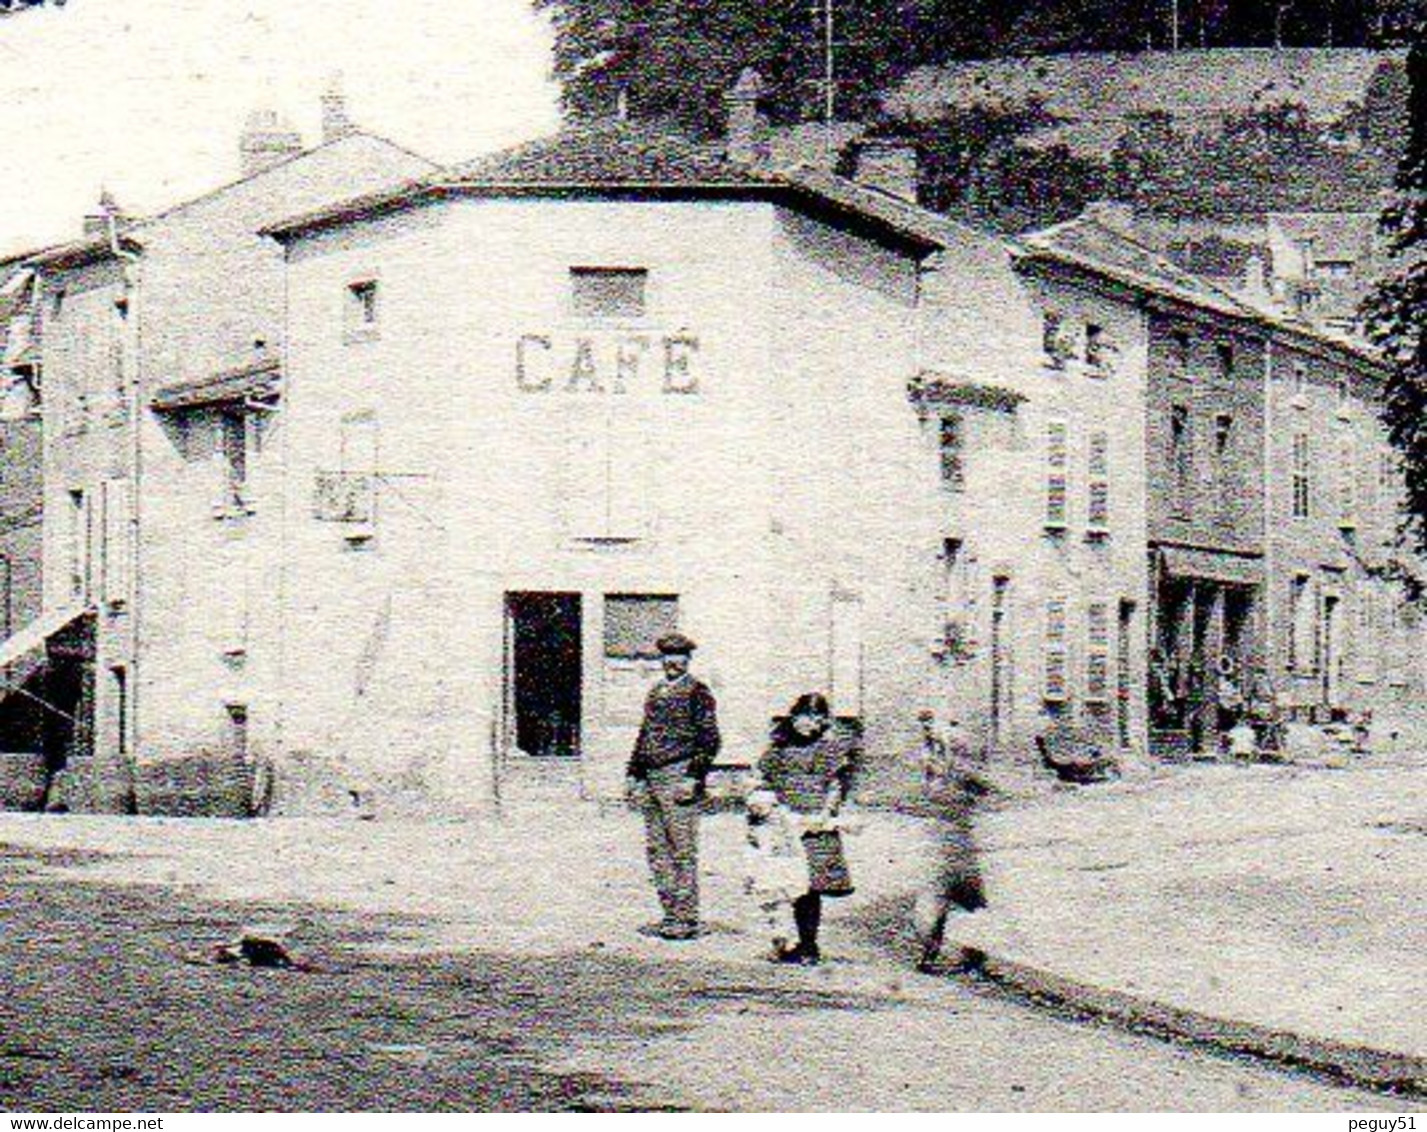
x=543, y=673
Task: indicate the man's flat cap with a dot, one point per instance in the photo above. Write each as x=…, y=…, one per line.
x=675, y=644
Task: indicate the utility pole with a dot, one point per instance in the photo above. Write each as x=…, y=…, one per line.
x=1174, y=25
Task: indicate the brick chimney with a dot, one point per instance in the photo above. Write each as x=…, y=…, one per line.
x=888, y=164
x=335, y=122
x=267, y=140
x=747, y=131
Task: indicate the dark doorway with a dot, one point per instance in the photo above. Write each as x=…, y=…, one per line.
x=545, y=665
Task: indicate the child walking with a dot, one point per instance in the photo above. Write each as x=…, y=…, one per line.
x=777, y=869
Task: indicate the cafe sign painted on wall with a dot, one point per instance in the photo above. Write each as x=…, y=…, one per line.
x=610, y=365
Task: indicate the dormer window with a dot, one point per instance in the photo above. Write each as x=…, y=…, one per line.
x=609, y=292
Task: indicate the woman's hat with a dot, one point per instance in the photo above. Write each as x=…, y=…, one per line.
x=675, y=644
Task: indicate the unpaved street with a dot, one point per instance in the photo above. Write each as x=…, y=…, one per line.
x=104, y=1009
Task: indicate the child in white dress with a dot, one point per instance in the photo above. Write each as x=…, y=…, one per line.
x=777, y=867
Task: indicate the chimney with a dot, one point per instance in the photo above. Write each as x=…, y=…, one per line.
x=335, y=122
x=888, y=164
x=747, y=132
x=267, y=140
x=97, y=223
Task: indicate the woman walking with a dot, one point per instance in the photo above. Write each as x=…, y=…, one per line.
x=809, y=767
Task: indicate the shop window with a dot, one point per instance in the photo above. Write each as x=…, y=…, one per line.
x=1055, y=660
x=609, y=292
x=634, y=622
x=953, y=472
x=1057, y=484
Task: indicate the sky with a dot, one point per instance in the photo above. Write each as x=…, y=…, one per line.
x=147, y=97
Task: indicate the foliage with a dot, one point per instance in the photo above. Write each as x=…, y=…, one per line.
x=1396, y=312
x=673, y=58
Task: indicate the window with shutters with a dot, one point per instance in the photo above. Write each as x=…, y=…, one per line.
x=1056, y=689
x=1057, y=504
x=1302, y=487
x=1097, y=652
x=1097, y=515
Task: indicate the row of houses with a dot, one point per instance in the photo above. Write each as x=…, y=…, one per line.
x=364, y=479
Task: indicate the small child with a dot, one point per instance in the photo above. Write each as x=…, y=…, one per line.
x=777, y=867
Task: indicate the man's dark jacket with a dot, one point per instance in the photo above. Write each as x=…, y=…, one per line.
x=680, y=723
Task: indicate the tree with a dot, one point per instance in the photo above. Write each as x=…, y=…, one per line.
x=674, y=59
x=1396, y=312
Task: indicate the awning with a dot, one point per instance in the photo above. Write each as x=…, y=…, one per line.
x=37, y=632
x=1212, y=565
x=257, y=380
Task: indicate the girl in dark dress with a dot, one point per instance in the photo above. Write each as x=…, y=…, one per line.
x=809, y=767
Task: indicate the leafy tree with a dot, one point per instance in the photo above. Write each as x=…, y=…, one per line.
x=1397, y=310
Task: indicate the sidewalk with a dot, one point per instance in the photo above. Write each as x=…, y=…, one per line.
x=1256, y=902
x=1246, y=906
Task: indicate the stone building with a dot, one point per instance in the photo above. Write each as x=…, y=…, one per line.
x=137, y=323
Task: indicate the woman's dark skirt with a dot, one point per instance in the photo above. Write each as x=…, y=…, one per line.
x=828, y=874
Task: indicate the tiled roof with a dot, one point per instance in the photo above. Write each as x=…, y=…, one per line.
x=258, y=379
x=1092, y=245
x=605, y=153
x=620, y=158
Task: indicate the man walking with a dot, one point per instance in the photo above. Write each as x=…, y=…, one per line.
x=676, y=746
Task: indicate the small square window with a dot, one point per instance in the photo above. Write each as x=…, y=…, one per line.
x=609, y=292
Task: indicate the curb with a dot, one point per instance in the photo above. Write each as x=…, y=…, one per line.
x=1364, y=1066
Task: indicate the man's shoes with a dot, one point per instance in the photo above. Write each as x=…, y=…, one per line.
x=670, y=930
x=801, y=955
